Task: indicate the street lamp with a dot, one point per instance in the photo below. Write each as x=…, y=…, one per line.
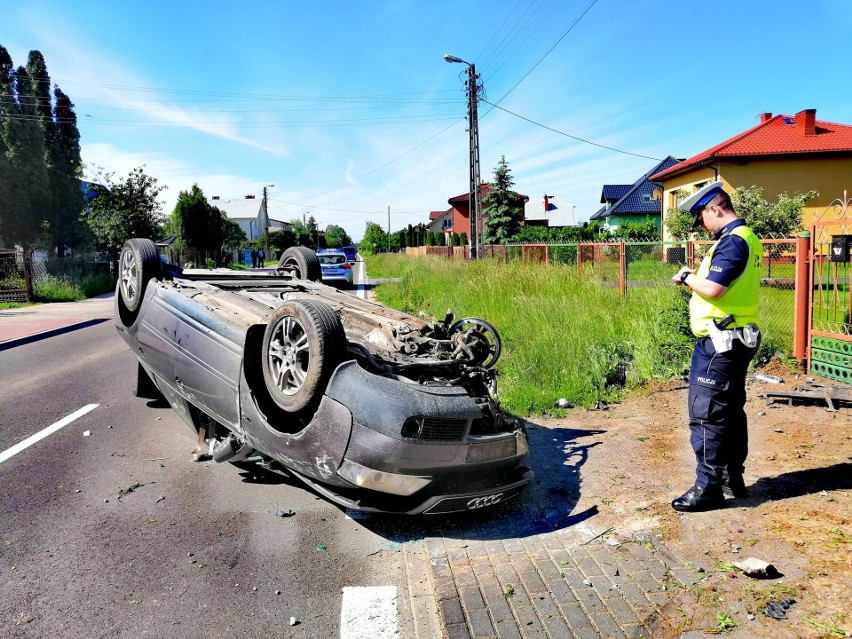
x=475, y=204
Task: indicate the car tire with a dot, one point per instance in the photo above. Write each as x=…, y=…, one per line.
x=302, y=262
x=138, y=263
x=480, y=339
x=303, y=344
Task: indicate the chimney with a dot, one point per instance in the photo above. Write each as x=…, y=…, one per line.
x=765, y=117
x=546, y=203
x=249, y=197
x=806, y=122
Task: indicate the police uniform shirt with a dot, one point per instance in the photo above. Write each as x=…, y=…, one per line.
x=730, y=256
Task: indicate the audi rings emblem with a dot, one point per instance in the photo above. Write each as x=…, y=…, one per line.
x=482, y=502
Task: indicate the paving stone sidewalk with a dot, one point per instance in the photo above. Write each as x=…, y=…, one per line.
x=535, y=571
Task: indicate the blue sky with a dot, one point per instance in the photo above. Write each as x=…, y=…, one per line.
x=348, y=107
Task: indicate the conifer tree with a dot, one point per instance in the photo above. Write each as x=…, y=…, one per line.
x=502, y=206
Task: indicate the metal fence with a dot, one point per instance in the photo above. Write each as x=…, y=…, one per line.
x=15, y=276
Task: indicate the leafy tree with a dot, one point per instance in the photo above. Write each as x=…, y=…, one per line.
x=282, y=239
x=25, y=191
x=125, y=208
x=502, y=206
x=232, y=235
x=781, y=219
x=375, y=239
x=40, y=164
x=301, y=232
x=336, y=236
x=679, y=222
x=637, y=231
x=196, y=223
x=65, y=170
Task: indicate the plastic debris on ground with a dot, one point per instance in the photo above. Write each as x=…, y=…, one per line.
x=769, y=379
x=778, y=609
x=757, y=568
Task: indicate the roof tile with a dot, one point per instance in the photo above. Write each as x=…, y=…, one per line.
x=779, y=135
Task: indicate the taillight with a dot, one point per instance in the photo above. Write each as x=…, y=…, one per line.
x=345, y=265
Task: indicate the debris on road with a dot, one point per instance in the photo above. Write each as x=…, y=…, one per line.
x=778, y=609
x=130, y=489
x=769, y=379
x=86, y=433
x=293, y=621
x=757, y=568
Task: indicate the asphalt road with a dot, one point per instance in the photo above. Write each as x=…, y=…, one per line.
x=109, y=530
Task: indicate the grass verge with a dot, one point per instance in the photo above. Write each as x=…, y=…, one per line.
x=565, y=334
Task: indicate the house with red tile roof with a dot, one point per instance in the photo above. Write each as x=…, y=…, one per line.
x=460, y=205
x=781, y=154
x=440, y=222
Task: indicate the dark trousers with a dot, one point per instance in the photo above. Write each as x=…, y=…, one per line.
x=717, y=420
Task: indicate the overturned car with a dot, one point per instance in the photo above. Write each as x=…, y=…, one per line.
x=375, y=409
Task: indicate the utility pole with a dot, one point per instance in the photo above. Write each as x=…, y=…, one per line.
x=266, y=221
x=475, y=198
x=475, y=192
x=389, y=228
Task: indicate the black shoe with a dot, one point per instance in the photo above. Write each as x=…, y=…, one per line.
x=699, y=499
x=734, y=486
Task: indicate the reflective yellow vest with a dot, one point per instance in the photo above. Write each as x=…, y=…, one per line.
x=741, y=296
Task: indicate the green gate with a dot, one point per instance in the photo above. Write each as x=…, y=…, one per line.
x=830, y=292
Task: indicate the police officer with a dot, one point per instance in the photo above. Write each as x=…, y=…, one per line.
x=723, y=316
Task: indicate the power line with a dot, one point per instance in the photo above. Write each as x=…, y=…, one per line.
x=547, y=53
x=399, y=157
x=568, y=135
x=402, y=119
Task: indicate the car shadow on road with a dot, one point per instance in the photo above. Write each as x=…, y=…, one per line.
x=557, y=457
x=799, y=483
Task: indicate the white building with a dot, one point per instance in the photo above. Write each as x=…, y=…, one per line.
x=549, y=211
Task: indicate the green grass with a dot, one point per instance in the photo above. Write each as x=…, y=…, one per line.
x=564, y=333
x=72, y=288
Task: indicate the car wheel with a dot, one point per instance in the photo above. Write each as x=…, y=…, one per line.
x=302, y=345
x=302, y=262
x=477, y=340
x=139, y=262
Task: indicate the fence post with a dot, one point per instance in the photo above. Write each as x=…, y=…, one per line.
x=801, y=305
x=622, y=270
x=28, y=273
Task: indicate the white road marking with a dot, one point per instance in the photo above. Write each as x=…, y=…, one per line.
x=361, y=279
x=29, y=441
x=369, y=613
